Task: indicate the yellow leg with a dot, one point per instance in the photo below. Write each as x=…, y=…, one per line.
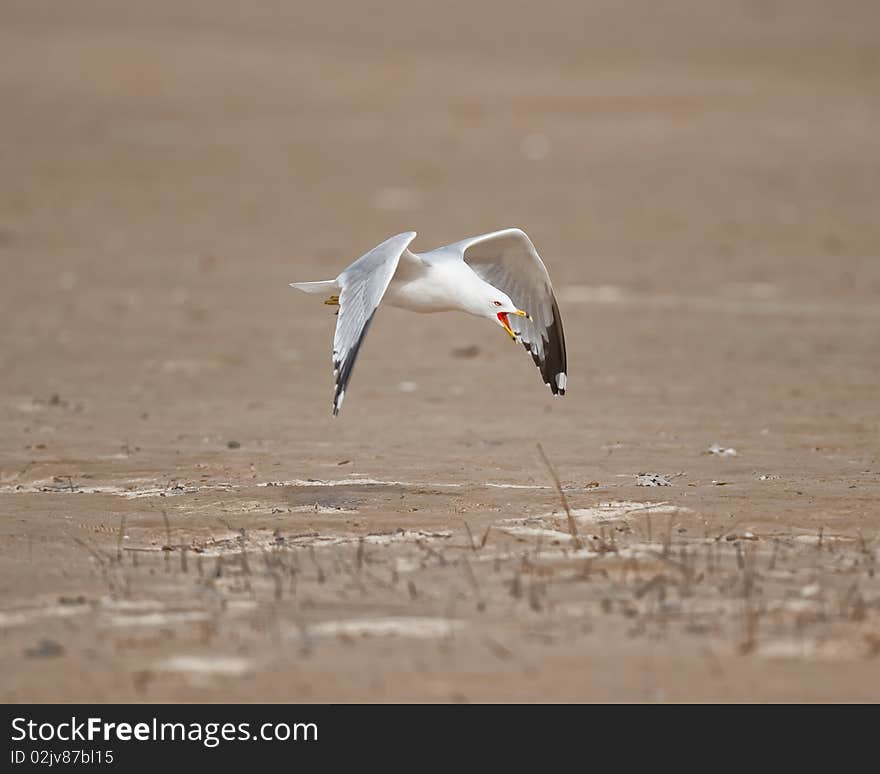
x=332, y=301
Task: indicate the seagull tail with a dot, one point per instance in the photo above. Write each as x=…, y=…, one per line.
x=326, y=286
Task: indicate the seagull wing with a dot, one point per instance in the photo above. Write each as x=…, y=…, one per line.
x=362, y=286
x=508, y=260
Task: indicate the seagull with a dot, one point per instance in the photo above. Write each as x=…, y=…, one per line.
x=480, y=275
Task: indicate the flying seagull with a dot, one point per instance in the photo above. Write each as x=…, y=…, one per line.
x=480, y=275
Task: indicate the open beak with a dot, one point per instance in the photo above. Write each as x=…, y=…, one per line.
x=502, y=318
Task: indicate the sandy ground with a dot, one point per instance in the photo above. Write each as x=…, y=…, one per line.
x=182, y=519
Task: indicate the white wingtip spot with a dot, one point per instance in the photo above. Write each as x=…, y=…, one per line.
x=560, y=381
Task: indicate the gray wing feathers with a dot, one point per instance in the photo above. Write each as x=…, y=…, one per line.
x=362, y=286
x=508, y=260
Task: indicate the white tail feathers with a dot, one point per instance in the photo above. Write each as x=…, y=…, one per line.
x=325, y=286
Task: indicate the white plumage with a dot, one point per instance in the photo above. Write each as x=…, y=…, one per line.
x=498, y=275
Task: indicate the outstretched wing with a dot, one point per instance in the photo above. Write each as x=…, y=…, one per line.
x=362, y=286
x=508, y=260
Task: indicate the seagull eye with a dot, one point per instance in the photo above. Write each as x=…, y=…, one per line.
x=497, y=303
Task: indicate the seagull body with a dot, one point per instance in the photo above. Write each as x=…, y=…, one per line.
x=485, y=276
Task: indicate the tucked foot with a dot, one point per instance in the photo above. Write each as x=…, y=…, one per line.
x=332, y=301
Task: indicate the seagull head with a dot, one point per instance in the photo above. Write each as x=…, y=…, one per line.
x=500, y=306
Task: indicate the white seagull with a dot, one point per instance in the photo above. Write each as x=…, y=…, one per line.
x=479, y=275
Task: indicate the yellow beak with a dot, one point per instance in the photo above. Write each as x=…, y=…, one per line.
x=502, y=318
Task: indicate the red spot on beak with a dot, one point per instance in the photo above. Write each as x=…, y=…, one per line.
x=502, y=318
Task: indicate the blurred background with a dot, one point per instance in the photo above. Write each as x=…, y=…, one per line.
x=701, y=179
x=166, y=168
